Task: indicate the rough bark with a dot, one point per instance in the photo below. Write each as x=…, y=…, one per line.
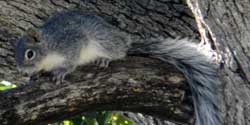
x=223, y=24
x=128, y=86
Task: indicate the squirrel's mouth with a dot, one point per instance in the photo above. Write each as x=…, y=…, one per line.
x=26, y=72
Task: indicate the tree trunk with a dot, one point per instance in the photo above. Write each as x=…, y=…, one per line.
x=223, y=24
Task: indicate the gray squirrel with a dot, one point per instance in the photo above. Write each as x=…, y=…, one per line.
x=72, y=38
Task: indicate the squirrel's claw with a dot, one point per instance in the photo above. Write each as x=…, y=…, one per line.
x=102, y=62
x=59, y=75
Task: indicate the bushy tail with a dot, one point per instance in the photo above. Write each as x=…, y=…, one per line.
x=197, y=67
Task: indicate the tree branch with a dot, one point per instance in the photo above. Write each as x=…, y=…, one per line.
x=137, y=84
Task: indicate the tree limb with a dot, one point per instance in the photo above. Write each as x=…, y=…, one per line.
x=137, y=84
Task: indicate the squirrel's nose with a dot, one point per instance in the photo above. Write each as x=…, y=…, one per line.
x=25, y=74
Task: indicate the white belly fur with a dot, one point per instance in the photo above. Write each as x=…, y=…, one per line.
x=51, y=61
x=87, y=54
x=91, y=53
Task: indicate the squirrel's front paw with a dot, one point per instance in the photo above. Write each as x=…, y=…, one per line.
x=102, y=62
x=59, y=75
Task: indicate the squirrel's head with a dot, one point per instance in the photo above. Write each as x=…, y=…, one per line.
x=28, y=52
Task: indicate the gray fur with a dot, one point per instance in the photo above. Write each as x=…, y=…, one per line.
x=199, y=70
x=76, y=26
x=67, y=33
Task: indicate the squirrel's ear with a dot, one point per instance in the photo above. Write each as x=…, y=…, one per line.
x=33, y=35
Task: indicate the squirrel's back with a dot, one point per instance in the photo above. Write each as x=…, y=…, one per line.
x=69, y=27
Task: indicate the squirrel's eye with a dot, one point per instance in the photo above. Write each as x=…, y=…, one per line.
x=29, y=54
